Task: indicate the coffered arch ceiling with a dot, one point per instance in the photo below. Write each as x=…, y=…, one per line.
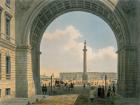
x=105, y=9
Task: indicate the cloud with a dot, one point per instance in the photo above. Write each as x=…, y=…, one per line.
x=49, y=71
x=105, y=53
x=65, y=53
x=70, y=32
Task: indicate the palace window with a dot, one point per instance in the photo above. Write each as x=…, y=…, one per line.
x=0, y=20
x=8, y=67
x=8, y=18
x=7, y=91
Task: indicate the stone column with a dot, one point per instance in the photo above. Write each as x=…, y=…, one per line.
x=85, y=77
x=127, y=67
x=138, y=75
x=36, y=69
x=24, y=75
x=137, y=24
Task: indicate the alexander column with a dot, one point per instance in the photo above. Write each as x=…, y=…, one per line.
x=85, y=76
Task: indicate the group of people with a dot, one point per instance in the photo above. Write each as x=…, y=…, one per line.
x=44, y=89
x=101, y=92
x=58, y=84
x=65, y=85
x=111, y=91
x=69, y=87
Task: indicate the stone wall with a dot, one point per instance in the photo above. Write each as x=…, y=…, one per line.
x=25, y=85
x=4, y=82
x=7, y=48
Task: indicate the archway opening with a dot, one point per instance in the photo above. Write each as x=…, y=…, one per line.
x=52, y=11
x=46, y=11
x=61, y=50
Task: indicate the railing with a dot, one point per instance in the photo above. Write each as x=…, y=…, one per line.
x=7, y=38
x=8, y=76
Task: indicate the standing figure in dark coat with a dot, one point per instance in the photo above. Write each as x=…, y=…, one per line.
x=84, y=85
x=99, y=91
x=109, y=92
x=43, y=89
x=114, y=90
x=102, y=92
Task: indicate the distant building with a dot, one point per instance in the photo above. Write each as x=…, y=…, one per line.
x=95, y=78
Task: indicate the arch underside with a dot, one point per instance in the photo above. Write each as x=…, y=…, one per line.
x=59, y=7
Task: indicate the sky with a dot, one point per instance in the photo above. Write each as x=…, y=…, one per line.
x=63, y=41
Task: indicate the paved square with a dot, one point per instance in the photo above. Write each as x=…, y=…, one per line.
x=58, y=100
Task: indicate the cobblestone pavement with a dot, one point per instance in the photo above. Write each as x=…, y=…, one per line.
x=58, y=100
x=22, y=101
x=63, y=97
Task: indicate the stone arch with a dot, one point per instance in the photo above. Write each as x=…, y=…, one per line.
x=47, y=10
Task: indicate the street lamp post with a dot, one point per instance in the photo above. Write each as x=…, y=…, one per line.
x=105, y=82
x=51, y=83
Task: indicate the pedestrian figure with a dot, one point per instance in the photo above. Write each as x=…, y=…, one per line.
x=68, y=86
x=49, y=84
x=102, y=92
x=43, y=89
x=114, y=89
x=84, y=85
x=109, y=92
x=92, y=94
x=99, y=91
x=71, y=86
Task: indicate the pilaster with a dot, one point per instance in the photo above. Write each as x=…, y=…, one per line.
x=36, y=69
x=24, y=75
x=127, y=70
x=138, y=74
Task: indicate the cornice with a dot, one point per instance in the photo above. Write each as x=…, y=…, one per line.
x=24, y=47
x=7, y=44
